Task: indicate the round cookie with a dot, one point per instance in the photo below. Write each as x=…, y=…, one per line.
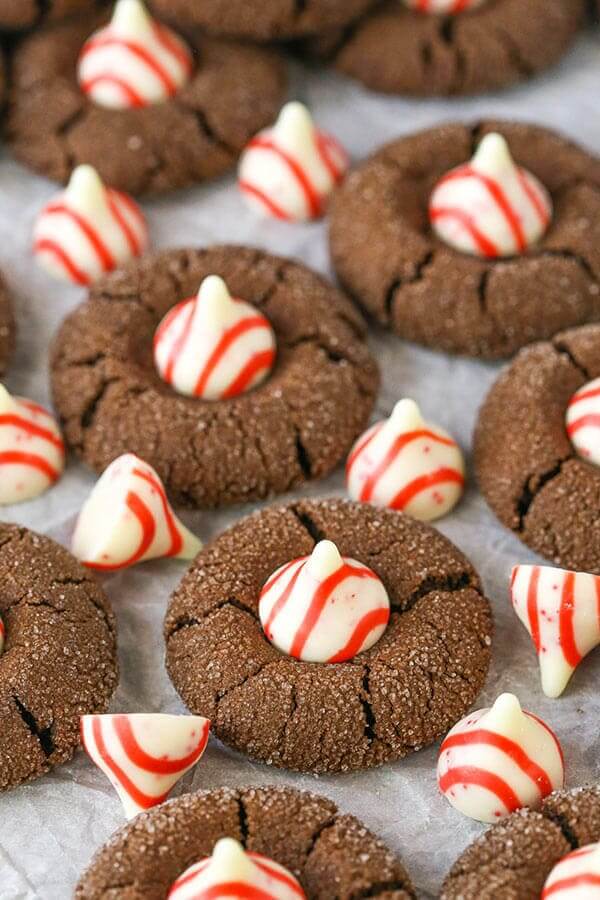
x=513, y=859
x=331, y=854
x=196, y=135
x=16, y=15
x=59, y=658
x=401, y=51
x=526, y=466
x=388, y=258
x=7, y=328
x=258, y=20
x=403, y=693
x=295, y=426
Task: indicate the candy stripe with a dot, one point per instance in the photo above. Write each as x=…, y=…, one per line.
x=552, y=735
x=130, y=236
x=281, y=602
x=276, y=211
x=138, y=756
x=485, y=246
x=532, y=195
x=31, y=428
x=311, y=194
x=457, y=6
x=369, y=622
x=18, y=457
x=148, y=525
x=566, y=616
x=229, y=338
x=327, y=146
x=77, y=275
x=182, y=309
x=584, y=395
x=172, y=45
x=102, y=252
x=441, y=476
x=260, y=362
x=591, y=420
x=569, y=884
x=361, y=445
x=532, y=607
x=137, y=51
x=470, y=775
x=277, y=874
x=238, y=889
x=174, y=534
x=134, y=99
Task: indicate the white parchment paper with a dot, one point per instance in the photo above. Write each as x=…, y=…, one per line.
x=50, y=829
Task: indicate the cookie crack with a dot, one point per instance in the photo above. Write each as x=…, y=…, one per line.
x=44, y=735
x=243, y=820
x=419, y=274
x=561, y=820
x=190, y=621
x=532, y=488
x=522, y=67
x=450, y=584
x=575, y=257
x=370, y=731
x=562, y=348
x=309, y=525
x=383, y=887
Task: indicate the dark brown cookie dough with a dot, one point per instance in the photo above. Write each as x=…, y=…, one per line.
x=7, y=327
x=332, y=855
x=400, y=51
x=263, y=20
x=16, y=15
x=296, y=426
x=403, y=693
x=388, y=258
x=513, y=859
x=526, y=465
x=52, y=127
x=59, y=659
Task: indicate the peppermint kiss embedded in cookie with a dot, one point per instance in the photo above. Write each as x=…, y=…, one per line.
x=233, y=872
x=490, y=207
x=127, y=519
x=144, y=754
x=290, y=170
x=443, y=7
x=583, y=421
x=213, y=346
x=497, y=760
x=324, y=608
x=32, y=453
x=405, y=463
x=88, y=230
x=134, y=61
x=576, y=876
x=559, y=609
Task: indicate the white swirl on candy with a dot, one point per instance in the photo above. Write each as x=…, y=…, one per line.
x=583, y=421
x=134, y=61
x=127, y=519
x=213, y=346
x=576, y=876
x=490, y=207
x=233, y=872
x=290, y=170
x=561, y=612
x=495, y=761
x=144, y=754
x=405, y=463
x=443, y=7
x=32, y=453
x=324, y=607
x=88, y=230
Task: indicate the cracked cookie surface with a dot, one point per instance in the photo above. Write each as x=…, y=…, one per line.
x=526, y=466
x=403, y=693
x=400, y=51
x=198, y=134
x=513, y=859
x=331, y=854
x=296, y=426
x=18, y=14
x=59, y=659
x=263, y=20
x=7, y=327
x=388, y=258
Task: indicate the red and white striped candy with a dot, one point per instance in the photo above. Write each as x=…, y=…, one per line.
x=561, y=612
x=144, y=754
x=232, y=872
x=583, y=421
x=88, y=230
x=443, y=6
x=495, y=761
x=32, y=453
x=576, y=876
x=405, y=463
x=324, y=607
x=2, y=634
x=127, y=519
x=134, y=61
x=213, y=346
x=490, y=207
x=290, y=170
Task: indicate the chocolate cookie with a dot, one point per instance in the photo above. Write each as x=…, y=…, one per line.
x=401, y=51
x=525, y=462
x=7, y=328
x=18, y=14
x=331, y=854
x=59, y=658
x=260, y=20
x=513, y=859
x=388, y=258
x=296, y=426
x=403, y=693
x=196, y=135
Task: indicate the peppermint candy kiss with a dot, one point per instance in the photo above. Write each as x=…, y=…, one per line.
x=290, y=170
x=212, y=346
x=490, y=207
x=324, y=607
x=583, y=421
x=127, y=519
x=232, y=872
x=443, y=6
x=134, y=61
x=561, y=612
x=405, y=463
x=88, y=230
x=145, y=754
x=498, y=760
x=32, y=453
x=576, y=876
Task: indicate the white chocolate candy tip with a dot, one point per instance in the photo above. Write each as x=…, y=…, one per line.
x=493, y=156
x=128, y=519
x=324, y=560
x=86, y=190
x=215, y=305
x=231, y=857
x=294, y=127
x=506, y=714
x=406, y=415
x=130, y=17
